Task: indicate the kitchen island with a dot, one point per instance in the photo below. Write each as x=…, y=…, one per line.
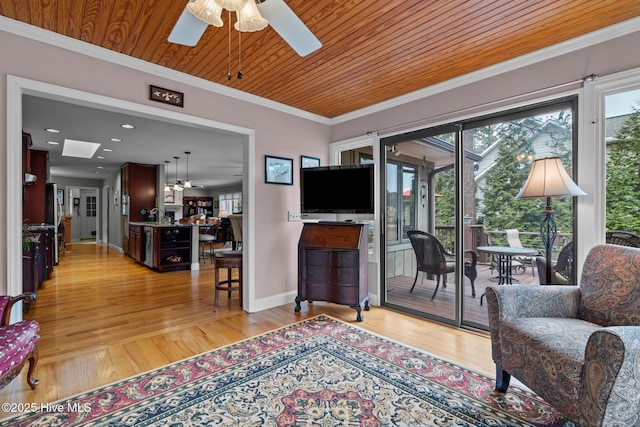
x=163, y=246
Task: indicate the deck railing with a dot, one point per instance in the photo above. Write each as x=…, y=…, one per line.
x=476, y=235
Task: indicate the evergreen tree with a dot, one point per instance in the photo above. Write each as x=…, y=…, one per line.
x=623, y=177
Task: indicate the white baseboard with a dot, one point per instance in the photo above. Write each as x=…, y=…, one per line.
x=290, y=297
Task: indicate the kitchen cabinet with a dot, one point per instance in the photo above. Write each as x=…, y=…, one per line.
x=34, y=194
x=138, y=189
x=172, y=248
x=136, y=243
x=332, y=265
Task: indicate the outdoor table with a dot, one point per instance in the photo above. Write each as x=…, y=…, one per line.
x=505, y=260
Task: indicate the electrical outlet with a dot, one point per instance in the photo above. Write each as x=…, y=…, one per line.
x=295, y=216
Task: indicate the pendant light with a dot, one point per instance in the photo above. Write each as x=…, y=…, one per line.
x=187, y=183
x=177, y=186
x=166, y=175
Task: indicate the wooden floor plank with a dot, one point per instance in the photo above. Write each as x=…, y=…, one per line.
x=104, y=318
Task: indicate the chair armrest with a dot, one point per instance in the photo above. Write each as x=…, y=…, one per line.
x=516, y=301
x=6, y=311
x=474, y=258
x=611, y=392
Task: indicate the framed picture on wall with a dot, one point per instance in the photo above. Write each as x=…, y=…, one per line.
x=278, y=170
x=169, y=197
x=309, y=162
x=60, y=197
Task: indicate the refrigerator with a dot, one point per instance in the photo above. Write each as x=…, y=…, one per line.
x=53, y=215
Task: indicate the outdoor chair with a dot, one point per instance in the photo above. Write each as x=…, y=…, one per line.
x=561, y=270
x=577, y=347
x=623, y=238
x=516, y=266
x=18, y=342
x=513, y=239
x=432, y=258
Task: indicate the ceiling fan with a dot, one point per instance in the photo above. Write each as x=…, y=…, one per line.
x=198, y=14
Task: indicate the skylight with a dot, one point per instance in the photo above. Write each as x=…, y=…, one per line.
x=81, y=149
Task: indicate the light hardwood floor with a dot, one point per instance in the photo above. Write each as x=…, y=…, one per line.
x=104, y=318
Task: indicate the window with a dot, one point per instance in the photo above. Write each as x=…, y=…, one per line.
x=91, y=205
x=622, y=133
x=231, y=202
x=401, y=200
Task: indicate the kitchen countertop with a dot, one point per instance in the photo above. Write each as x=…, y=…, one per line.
x=159, y=224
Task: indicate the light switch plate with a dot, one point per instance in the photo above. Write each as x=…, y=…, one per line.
x=295, y=216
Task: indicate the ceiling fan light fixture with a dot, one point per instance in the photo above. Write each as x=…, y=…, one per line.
x=249, y=18
x=208, y=11
x=232, y=5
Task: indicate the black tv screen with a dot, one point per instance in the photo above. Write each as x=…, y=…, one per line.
x=337, y=189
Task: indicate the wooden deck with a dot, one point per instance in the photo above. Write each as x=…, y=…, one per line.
x=443, y=304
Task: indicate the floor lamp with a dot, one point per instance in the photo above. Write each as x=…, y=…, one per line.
x=548, y=178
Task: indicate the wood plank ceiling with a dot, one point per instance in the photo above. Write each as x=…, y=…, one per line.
x=372, y=50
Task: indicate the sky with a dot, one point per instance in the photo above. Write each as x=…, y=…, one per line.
x=620, y=103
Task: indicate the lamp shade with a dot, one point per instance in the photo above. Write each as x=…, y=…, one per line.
x=548, y=178
x=208, y=11
x=249, y=18
x=232, y=4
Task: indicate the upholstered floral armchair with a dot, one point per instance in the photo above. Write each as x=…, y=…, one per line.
x=577, y=347
x=18, y=342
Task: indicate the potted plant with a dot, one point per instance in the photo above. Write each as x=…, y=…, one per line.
x=27, y=237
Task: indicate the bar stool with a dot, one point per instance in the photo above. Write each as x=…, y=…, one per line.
x=228, y=260
x=206, y=240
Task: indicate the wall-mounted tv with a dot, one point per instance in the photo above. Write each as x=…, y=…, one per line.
x=344, y=190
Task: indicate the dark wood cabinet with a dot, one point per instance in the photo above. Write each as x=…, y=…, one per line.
x=172, y=248
x=34, y=194
x=332, y=265
x=37, y=259
x=136, y=243
x=138, y=182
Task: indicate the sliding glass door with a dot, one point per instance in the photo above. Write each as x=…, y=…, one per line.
x=449, y=192
x=420, y=228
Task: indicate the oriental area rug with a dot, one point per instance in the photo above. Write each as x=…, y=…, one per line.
x=319, y=372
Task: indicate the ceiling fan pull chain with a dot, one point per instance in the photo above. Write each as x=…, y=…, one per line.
x=239, y=55
x=229, y=55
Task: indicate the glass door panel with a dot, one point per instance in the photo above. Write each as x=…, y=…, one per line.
x=420, y=198
x=499, y=153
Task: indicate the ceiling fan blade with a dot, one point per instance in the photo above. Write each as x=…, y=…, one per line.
x=286, y=23
x=188, y=29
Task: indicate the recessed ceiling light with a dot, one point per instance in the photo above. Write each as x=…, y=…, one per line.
x=115, y=140
x=100, y=167
x=52, y=130
x=107, y=150
x=82, y=149
x=100, y=157
x=127, y=126
x=53, y=142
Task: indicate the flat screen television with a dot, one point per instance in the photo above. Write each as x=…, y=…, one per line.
x=337, y=192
